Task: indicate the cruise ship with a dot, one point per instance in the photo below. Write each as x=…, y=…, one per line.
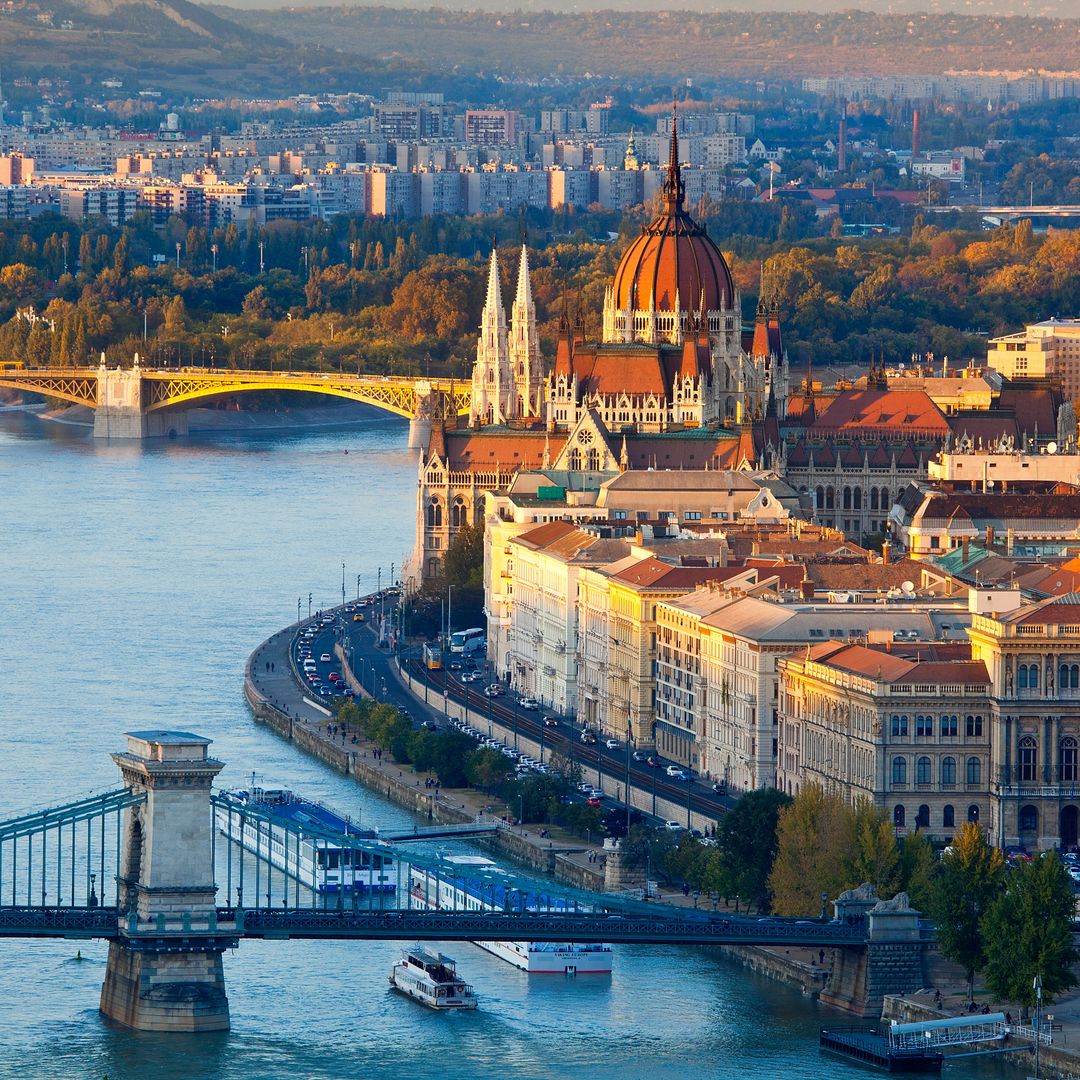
x=321, y=865
x=465, y=893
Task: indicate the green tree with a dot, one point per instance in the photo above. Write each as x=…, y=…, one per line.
x=875, y=856
x=1028, y=933
x=746, y=846
x=968, y=882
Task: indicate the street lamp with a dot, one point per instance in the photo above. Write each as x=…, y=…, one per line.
x=1037, y=985
x=298, y=601
x=358, y=586
x=342, y=582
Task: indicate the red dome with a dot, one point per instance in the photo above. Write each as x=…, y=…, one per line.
x=673, y=255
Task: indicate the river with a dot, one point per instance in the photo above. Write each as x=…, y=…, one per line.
x=136, y=580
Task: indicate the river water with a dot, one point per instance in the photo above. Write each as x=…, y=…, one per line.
x=136, y=580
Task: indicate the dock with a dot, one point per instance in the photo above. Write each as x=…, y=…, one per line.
x=870, y=1047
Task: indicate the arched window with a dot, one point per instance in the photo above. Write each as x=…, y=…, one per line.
x=847, y=498
x=1029, y=819
x=948, y=772
x=974, y=771
x=575, y=460
x=899, y=771
x=899, y=725
x=948, y=817
x=593, y=462
x=1067, y=759
x=948, y=726
x=973, y=814
x=1021, y=677
x=830, y=499
x=819, y=498
x=873, y=498
x=1068, y=676
x=856, y=499
x=1074, y=676
x=434, y=514
x=1028, y=758
x=924, y=726
x=973, y=726
x=899, y=817
x=922, y=818
x=922, y=771
x=1027, y=676
x=457, y=513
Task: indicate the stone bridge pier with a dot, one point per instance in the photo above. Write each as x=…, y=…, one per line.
x=164, y=971
x=120, y=412
x=892, y=962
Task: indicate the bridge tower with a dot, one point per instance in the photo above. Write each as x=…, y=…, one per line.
x=120, y=412
x=164, y=971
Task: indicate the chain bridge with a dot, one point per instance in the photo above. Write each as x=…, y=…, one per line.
x=139, y=403
x=173, y=874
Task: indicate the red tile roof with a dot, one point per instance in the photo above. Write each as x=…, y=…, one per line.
x=895, y=413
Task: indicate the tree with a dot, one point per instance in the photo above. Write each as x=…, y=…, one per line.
x=968, y=882
x=815, y=838
x=875, y=857
x=746, y=844
x=1028, y=933
x=257, y=304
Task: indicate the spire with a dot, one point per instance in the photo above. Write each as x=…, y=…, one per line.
x=624, y=456
x=674, y=190
x=524, y=288
x=630, y=160
x=494, y=292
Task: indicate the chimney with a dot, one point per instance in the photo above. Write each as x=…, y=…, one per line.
x=915, y=134
x=886, y=553
x=989, y=535
x=806, y=588
x=964, y=548
x=1009, y=539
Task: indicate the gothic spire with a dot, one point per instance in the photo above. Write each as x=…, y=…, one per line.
x=524, y=288
x=674, y=190
x=494, y=292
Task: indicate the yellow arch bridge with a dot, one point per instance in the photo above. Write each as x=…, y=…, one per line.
x=138, y=403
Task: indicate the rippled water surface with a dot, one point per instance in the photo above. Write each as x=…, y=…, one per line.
x=135, y=581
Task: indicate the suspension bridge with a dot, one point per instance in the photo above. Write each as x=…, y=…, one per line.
x=140, y=403
x=146, y=866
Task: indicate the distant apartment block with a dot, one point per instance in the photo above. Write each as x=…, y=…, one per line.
x=14, y=202
x=117, y=205
x=1042, y=349
x=491, y=127
x=16, y=169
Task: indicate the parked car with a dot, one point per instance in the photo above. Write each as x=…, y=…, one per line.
x=676, y=773
x=674, y=826
x=592, y=800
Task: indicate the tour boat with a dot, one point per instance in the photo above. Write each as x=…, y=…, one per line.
x=281, y=836
x=431, y=979
x=461, y=892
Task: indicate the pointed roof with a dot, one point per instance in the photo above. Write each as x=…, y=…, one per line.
x=494, y=291
x=673, y=188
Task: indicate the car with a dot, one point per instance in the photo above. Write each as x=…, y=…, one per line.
x=588, y=738
x=720, y=788
x=674, y=826
x=333, y=676
x=592, y=800
x=325, y=658
x=612, y=744
x=530, y=704
x=550, y=721
x=429, y=725
x=358, y=617
x=639, y=755
x=652, y=762
x=596, y=793
x=585, y=789
x=676, y=773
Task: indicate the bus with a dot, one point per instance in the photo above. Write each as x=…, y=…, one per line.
x=467, y=641
x=432, y=657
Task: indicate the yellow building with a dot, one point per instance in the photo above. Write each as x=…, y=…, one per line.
x=1048, y=348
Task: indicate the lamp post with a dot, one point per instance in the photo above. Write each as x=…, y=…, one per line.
x=298, y=602
x=357, y=586
x=628, y=772
x=342, y=582
x=309, y=605
x=449, y=610
x=1037, y=984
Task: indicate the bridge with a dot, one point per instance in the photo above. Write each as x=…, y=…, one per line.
x=143, y=867
x=139, y=403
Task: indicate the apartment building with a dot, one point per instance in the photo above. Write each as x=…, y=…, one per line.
x=1050, y=348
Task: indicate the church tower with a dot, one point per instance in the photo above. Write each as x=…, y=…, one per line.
x=525, y=347
x=492, y=380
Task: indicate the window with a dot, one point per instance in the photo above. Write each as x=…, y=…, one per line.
x=973, y=727
x=899, y=771
x=922, y=818
x=1028, y=677
x=948, y=726
x=1028, y=758
x=457, y=513
x=1068, y=676
x=898, y=817
x=899, y=725
x=1067, y=759
x=693, y=515
x=434, y=515
x=924, y=727
x=973, y=814
x=620, y=515
x=922, y=771
x=974, y=771
x=1029, y=819
x=948, y=817
x=948, y=772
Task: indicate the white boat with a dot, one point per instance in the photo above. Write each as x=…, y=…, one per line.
x=465, y=893
x=431, y=979
x=278, y=835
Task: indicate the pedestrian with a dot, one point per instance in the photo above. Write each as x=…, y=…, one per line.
x=821, y=957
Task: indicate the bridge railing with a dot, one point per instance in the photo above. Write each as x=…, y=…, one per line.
x=64, y=856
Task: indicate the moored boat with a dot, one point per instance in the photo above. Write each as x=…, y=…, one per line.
x=432, y=979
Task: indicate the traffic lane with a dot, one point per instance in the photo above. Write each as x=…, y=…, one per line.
x=530, y=723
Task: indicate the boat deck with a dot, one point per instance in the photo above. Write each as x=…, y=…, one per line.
x=300, y=812
x=872, y=1048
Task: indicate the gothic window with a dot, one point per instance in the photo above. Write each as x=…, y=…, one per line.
x=973, y=727
x=1067, y=759
x=593, y=460
x=922, y=771
x=1029, y=819
x=885, y=504
x=819, y=496
x=948, y=817
x=491, y=376
x=458, y=516
x=899, y=725
x=521, y=369
x=898, y=816
x=575, y=460
x=856, y=499
x=434, y=514
x=948, y=726
x=899, y=771
x=973, y=814
x=847, y=498
x=922, y=818
x=873, y=499
x=1028, y=758
x=974, y=771
x=948, y=772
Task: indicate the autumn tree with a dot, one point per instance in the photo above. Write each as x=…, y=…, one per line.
x=746, y=847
